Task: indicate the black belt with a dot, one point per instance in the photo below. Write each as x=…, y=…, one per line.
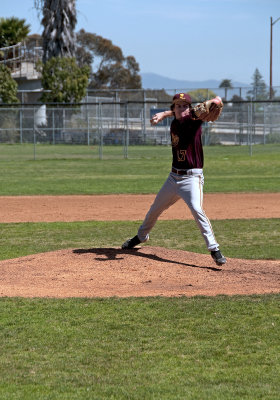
x=182, y=171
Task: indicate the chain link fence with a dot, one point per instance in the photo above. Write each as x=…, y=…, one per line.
x=164, y=95
x=103, y=122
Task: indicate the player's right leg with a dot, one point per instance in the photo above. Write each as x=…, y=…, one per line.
x=164, y=199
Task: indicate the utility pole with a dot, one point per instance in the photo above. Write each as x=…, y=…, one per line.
x=270, y=80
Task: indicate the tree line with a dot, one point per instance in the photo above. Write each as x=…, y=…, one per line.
x=72, y=61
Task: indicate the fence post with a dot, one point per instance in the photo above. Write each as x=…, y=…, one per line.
x=264, y=126
x=20, y=125
x=126, y=132
x=53, y=126
x=254, y=122
x=100, y=128
x=251, y=128
x=63, y=122
x=144, y=119
x=248, y=123
x=235, y=125
x=34, y=136
x=87, y=125
x=240, y=112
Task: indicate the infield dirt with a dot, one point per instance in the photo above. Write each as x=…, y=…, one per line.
x=133, y=207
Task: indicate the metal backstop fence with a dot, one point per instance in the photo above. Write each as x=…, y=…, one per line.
x=116, y=123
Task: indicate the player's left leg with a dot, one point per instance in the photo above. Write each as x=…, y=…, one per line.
x=191, y=191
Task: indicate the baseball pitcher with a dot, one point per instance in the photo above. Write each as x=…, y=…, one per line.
x=186, y=177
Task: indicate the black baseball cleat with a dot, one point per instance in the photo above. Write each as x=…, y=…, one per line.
x=130, y=243
x=218, y=257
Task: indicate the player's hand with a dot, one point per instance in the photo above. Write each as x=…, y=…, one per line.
x=157, y=118
x=186, y=113
x=216, y=100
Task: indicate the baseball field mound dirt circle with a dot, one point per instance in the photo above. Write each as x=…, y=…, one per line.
x=140, y=272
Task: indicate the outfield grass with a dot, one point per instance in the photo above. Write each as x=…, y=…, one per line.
x=252, y=239
x=155, y=348
x=73, y=171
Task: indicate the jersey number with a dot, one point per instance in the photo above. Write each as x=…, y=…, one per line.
x=181, y=155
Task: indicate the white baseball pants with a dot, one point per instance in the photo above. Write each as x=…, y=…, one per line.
x=190, y=189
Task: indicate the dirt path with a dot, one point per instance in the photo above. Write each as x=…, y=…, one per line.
x=144, y=271
x=132, y=207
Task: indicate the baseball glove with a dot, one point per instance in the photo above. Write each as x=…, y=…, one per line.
x=209, y=110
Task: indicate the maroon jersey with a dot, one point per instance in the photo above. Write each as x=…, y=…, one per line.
x=186, y=143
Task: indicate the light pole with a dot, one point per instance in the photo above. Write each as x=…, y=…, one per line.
x=270, y=81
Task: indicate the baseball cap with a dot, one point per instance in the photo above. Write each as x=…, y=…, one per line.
x=181, y=97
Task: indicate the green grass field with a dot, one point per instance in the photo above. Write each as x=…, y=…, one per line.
x=71, y=170
x=156, y=348
x=238, y=238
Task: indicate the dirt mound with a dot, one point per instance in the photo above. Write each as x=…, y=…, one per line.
x=144, y=271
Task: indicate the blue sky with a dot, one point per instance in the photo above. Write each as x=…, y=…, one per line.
x=182, y=39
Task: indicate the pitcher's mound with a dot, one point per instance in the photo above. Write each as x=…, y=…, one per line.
x=146, y=271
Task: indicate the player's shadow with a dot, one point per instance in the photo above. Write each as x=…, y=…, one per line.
x=110, y=253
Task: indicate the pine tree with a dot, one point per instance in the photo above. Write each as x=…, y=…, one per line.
x=258, y=90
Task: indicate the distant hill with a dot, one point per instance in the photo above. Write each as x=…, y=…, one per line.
x=155, y=81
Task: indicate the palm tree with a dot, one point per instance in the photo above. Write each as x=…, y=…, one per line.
x=59, y=20
x=226, y=84
x=12, y=31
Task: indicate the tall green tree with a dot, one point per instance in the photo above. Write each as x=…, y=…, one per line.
x=63, y=80
x=133, y=79
x=59, y=21
x=109, y=67
x=201, y=95
x=259, y=90
x=12, y=31
x=8, y=86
